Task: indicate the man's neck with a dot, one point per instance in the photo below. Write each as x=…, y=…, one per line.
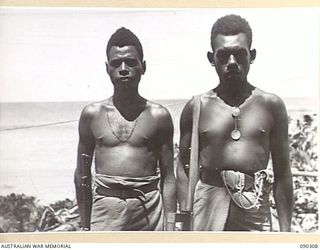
x=125, y=98
x=234, y=94
x=130, y=105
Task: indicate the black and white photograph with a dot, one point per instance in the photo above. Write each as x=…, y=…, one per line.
x=117, y=119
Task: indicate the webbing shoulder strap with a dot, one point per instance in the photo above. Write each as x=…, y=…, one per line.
x=194, y=153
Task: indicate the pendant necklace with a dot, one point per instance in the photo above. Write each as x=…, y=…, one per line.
x=235, y=134
x=123, y=129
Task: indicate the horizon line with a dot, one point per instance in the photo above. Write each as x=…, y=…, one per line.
x=151, y=99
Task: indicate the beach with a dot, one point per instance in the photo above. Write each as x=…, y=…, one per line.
x=38, y=144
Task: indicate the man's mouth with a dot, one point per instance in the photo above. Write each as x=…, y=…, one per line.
x=233, y=74
x=124, y=78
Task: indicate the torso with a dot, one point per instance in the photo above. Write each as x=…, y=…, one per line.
x=218, y=151
x=126, y=148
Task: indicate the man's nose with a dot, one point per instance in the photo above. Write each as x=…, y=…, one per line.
x=232, y=62
x=123, y=69
x=232, y=59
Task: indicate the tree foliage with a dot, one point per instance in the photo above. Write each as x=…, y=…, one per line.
x=18, y=213
x=22, y=213
x=303, y=159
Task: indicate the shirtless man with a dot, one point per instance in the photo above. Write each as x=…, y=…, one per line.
x=239, y=126
x=131, y=139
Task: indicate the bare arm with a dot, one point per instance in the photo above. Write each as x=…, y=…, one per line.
x=168, y=182
x=184, y=155
x=283, y=190
x=82, y=176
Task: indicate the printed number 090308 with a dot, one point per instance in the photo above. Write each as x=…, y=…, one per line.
x=308, y=246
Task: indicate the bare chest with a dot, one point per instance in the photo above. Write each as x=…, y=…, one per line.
x=110, y=129
x=121, y=128
x=254, y=122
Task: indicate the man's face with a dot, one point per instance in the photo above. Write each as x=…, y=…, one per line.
x=232, y=57
x=125, y=67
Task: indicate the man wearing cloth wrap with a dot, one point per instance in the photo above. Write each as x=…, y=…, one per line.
x=131, y=139
x=239, y=126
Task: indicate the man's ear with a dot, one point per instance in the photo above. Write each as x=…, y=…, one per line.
x=107, y=67
x=210, y=56
x=144, y=67
x=253, y=54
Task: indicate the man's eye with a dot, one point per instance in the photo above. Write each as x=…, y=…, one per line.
x=241, y=54
x=115, y=63
x=131, y=62
x=128, y=62
x=223, y=56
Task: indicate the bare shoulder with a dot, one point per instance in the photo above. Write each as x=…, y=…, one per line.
x=188, y=107
x=92, y=110
x=269, y=98
x=158, y=111
x=187, y=110
x=161, y=116
x=273, y=102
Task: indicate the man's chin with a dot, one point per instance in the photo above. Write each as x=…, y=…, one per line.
x=234, y=79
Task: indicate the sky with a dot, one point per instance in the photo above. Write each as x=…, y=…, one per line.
x=58, y=54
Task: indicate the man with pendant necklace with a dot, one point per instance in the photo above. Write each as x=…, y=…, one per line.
x=239, y=127
x=131, y=140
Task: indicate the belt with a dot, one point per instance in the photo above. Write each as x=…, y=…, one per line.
x=213, y=178
x=127, y=193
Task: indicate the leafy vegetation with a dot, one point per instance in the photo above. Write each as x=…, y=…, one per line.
x=21, y=213
x=18, y=213
x=303, y=157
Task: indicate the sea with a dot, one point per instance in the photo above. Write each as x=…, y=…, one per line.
x=38, y=144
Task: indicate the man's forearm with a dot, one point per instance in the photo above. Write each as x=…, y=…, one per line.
x=84, y=200
x=283, y=194
x=182, y=186
x=170, y=202
x=83, y=189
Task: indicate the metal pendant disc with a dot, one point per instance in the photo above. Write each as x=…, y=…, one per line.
x=235, y=112
x=235, y=135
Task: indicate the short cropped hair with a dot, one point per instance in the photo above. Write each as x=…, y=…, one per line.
x=124, y=37
x=231, y=25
